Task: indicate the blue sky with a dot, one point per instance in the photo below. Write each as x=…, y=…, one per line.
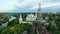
x=27, y=5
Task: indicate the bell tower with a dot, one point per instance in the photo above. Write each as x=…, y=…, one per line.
x=39, y=15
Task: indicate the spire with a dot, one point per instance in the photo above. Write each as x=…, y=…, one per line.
x=20, y=19
x=39, y=7
x=20, y=16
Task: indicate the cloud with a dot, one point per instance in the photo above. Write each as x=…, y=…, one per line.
x=35, y=6
x=49, y=4
x=50, y=0
x=6, y=5
x=32, y=4
x=46, y=4
x=26, y=3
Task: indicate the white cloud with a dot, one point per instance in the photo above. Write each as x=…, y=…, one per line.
x=35, y=6
x=29, y=3
x=49, y=4
x=26, y=3
x=46, y=4
x=6, y=5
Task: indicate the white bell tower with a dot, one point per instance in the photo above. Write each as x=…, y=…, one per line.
x=20, y=19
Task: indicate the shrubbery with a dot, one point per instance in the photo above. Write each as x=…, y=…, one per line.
x=17, y=29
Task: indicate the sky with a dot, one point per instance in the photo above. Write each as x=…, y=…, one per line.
x=28, y=5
